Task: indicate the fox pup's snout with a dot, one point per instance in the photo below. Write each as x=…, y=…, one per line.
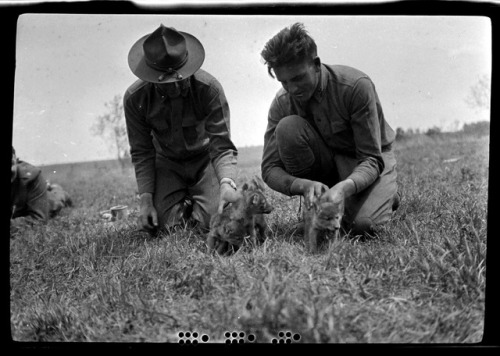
x=336, y=224
x=260, y=203
x=267, y=207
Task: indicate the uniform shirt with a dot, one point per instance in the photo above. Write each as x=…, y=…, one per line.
x=196, y=123
x=346, y=112
x=28, y=195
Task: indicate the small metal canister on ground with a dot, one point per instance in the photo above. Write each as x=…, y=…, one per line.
x=119, y=212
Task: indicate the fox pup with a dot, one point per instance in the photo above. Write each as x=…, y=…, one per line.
x=238, y=220
x=321, y=218
x=260, y=221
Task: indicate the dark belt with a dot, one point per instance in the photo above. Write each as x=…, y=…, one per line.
x=189, y=156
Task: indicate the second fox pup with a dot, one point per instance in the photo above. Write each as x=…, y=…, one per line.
x=321, y=218
x=238, y=220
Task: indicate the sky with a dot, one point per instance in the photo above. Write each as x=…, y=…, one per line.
x=69, y=65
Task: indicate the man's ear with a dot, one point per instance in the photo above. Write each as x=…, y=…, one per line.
x=317, y=63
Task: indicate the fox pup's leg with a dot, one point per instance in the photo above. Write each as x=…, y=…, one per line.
x=312, y=240
x=260, y=227
x=253, y=235
x=222, y=247
x=336, y=234
x=228, y=250
x=212, y=240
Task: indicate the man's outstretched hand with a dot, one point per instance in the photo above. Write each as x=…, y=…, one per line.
x=227, y=195
x=312, y=190
x=309, y=189
x=148, y=217
x=340, y=191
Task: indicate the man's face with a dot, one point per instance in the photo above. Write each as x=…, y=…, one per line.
x=299, y=79
x=13, y=168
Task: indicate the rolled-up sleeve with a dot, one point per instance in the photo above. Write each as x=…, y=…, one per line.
x=273, y=171
x=365, y=124
x=223, y=153
x=142, y=150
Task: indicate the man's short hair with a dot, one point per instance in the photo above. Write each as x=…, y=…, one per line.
x=290, y=45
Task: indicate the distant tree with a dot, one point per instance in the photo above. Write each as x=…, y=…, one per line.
x=433, y=131
x=401, y=134
x=479, y=95
x=480, y=128
x=111, y=127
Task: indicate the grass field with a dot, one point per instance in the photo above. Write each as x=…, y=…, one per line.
x=80, y=278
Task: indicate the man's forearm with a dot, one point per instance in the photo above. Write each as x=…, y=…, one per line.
x=142, y=150
x=225, y=165
x=348, y=187
x=298, y=186
x=146, y=197
x=278, y=179
x=145, y=170
x=365, y=174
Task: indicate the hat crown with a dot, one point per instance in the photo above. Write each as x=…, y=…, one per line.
x=165, y=49
x=166, y=56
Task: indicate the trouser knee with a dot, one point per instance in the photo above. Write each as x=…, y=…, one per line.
x=288, y=126
x=294, y=139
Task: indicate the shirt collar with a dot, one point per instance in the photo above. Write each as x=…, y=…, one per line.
x=186, y=85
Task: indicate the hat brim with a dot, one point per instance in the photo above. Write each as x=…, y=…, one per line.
x=138, y=66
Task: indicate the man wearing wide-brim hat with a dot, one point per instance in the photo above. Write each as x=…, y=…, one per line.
x=178, y=127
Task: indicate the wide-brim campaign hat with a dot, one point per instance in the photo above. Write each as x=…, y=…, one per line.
x=166, y=55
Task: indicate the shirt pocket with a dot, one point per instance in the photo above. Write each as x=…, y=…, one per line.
x=342, y=137
x=159, y=124
x=338, y=127
x=193, y=130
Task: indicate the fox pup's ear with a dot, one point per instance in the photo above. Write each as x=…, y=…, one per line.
x=258, y=182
